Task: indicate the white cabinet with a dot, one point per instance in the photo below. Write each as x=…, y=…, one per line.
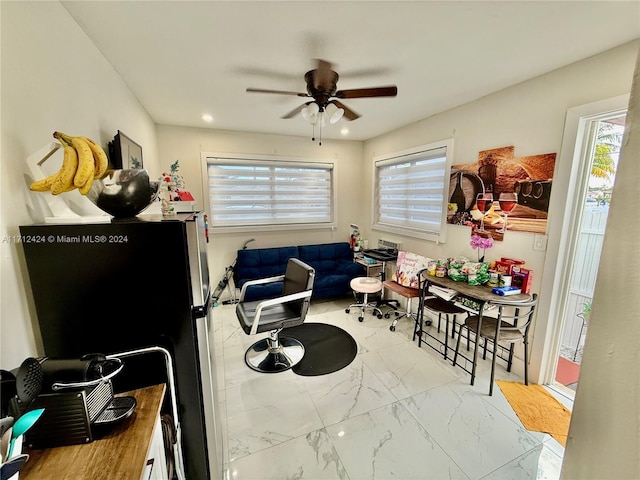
x=156, y=468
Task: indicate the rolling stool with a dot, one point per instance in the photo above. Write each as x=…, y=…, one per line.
x=442, y=307
x=365, y=285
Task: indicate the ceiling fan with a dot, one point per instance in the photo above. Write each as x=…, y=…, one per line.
x=322, y=88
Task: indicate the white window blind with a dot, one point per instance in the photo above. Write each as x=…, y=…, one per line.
x=411, y=191
x=249, y=192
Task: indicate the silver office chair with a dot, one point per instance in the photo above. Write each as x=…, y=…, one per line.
x=277, y=353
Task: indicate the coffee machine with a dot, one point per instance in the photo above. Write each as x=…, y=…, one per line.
x=76, y=395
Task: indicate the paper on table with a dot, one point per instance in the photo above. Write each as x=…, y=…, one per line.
x=443, y=292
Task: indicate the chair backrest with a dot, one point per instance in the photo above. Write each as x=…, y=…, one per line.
x=408, y=265
x=298, y=277
x=519, y=314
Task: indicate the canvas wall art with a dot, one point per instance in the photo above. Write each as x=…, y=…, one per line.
x=499, y=171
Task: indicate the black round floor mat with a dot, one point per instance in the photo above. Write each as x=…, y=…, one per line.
x=327, y=348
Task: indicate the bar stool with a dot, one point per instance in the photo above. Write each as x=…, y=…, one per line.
x=408, y=293
x=366, y=286
x=442, y=307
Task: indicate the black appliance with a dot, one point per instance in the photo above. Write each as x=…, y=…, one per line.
x=131, y=284
x=77, y=398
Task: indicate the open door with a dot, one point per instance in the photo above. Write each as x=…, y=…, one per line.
x=598, y=158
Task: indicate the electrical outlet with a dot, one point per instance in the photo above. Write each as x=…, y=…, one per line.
x=540, y=243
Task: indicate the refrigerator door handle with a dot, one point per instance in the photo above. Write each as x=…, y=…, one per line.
x=199, y=311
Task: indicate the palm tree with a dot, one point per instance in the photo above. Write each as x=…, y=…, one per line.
x=608, y=142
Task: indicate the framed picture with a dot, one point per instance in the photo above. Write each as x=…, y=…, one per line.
x=125, y=153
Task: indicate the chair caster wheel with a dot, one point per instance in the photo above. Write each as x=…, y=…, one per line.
x=386, y=315
x=346, y=310
x=397, y=314
x=392, y=328
x=360, y=319
x=380, y=316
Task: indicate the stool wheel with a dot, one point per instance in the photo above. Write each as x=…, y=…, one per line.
x=360, y=319
x=397, y=314
x=346, y=310
x=392, y=328
x=387, y=315
x=380, y=315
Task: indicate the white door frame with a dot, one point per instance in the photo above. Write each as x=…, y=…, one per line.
x=561, y=229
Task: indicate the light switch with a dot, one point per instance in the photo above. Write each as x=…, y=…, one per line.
x=540, y=243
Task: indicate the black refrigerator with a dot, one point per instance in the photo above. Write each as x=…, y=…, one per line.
x=131, y=284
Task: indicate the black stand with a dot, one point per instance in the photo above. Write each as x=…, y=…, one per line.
x=384, y=255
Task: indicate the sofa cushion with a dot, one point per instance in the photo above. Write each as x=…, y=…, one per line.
x=326, y=257
x=262, y=263
x=334, y=267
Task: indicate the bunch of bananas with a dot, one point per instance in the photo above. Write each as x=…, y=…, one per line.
x=83, y=162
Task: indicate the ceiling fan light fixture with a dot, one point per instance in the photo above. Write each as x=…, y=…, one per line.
x=333, y=113
x=310, y=112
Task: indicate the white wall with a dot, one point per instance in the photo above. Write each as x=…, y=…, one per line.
x=186, y=145
x=53, y=78
x=530, y=116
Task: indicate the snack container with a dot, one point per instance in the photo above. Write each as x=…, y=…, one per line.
x=522, y=278
x=505, y=291
x=505, y=265
x=431, y=267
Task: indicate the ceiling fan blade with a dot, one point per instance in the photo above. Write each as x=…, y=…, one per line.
x=282, y=92
x=295, y=111
x=389, y=91
x=325, y=77
x=348, y=113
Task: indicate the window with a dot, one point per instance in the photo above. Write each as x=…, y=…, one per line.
x=411, y=188
x=269, y=192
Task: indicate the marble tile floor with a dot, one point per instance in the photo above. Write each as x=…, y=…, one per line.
x=396, y=412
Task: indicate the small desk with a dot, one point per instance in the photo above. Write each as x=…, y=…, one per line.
x=120, y=454
x=384, y=255
x=480, y=293
x=372, y=269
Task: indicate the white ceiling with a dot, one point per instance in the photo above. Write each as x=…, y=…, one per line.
x=185, y=58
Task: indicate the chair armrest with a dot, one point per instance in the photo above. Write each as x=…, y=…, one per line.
x=276, y=301
x=259, y=281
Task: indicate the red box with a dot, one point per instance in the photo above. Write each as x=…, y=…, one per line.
x=503, y=268
x=512, y=261
x=522, y=278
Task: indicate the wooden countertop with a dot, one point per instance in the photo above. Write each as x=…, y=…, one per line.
x=119, y=455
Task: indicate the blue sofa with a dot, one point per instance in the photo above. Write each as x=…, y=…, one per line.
x=333, y=263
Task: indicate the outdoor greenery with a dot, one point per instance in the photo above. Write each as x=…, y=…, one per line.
x=609, y=141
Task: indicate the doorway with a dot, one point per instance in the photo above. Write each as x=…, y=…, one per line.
x=597, y=154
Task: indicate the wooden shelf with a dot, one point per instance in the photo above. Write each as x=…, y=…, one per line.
x=120, y=454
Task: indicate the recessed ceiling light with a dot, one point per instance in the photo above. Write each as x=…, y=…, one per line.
x=207, y=117
x=344, y=131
